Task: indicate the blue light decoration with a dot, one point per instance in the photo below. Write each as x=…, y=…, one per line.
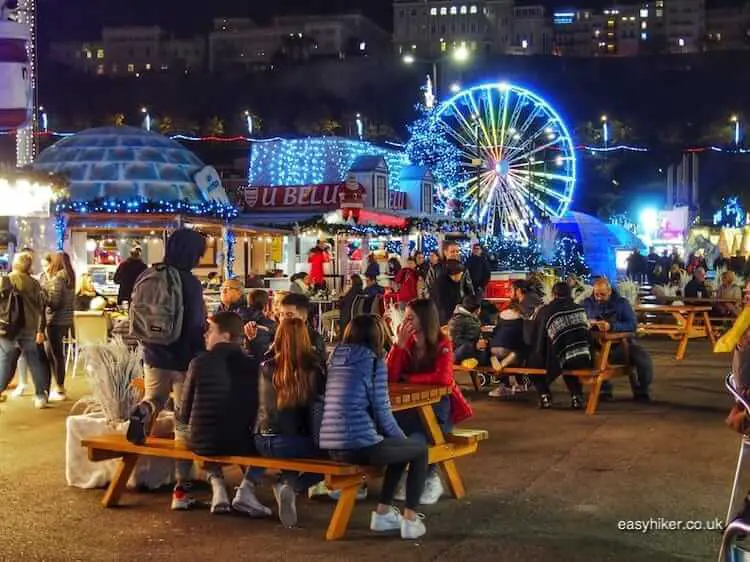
x=429, y=244
x=412, y=226
x=731, y=214
x=510, y=255
x=394, y=247
x=306, y=161
x=147, y=207
x=229, y=258
x=569, y=259
x=516, y=155
x=61, y=225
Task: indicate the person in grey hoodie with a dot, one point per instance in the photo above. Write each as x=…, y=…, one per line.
x=358, y=425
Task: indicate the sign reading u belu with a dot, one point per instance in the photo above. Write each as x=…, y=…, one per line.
x=320, y=196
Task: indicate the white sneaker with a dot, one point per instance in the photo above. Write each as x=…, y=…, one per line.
x=413, y=529
x=501, y=391
x=361, y=493
x=389, y=521
x=40, y=402
x=245, y=501
x=19, y=391
x=400, y=495
x=320, y=489
x=219, y=499
x=57, y=396
x=287, y=504
x=433, y=489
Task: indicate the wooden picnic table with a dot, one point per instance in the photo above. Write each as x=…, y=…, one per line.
x=684, y=327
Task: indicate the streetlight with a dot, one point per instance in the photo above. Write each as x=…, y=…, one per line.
x=249, y=122
x=360, y=126
x=460, y=55
x=43, y=118
x=605, y=131
x=736, y=121
x=146, y=119
x=455, y=88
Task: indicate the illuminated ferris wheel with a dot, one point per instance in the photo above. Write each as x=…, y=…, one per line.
x=518, y=160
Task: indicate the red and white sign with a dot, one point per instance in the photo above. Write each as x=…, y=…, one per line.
x=397, y=200
x=320, y=196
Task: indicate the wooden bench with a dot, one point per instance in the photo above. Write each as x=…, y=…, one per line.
x=595, y=377
x=679, y=322
x=338, y=476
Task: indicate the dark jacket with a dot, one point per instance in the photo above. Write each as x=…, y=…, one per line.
x=447, y=295
x=184, y=250
x=32, y=296
x=509, y=331
x=529, y=304
x=479, y=271
x=263, y=341
x=617, y=311
x=374, y=290
x=319, y=345
x=357, y=411
x=436, y=272
x=290, y=421
x=60, y=300
x=693, y=287
x=561, y=336
x=345, y=306
x=83, y=302
x=220, y=401
x=464, y=328
x=125, y=276
x=373, y=270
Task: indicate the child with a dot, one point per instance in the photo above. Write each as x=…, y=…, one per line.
x=506, y=347
x=470, y=349
x=219, y=404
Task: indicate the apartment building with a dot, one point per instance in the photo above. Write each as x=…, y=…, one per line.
x=728, y=29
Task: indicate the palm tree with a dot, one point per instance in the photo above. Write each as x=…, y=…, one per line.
x=166, y=125
x=116, y=120
x=214, y=127
x=328, y=126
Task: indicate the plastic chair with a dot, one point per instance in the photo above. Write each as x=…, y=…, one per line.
x=738, y=514
x=91, y=328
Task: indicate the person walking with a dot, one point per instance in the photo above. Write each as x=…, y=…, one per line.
x=60, y=291
x=127, y=272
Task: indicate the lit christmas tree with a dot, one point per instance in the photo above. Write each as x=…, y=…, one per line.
x=569, y=258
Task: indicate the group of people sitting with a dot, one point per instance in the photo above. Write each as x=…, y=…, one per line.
x=556, y=337
x=255, y=379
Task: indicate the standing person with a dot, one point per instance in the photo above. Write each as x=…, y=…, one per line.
x=451, y=253
x=424, y=355
x=29, y=334
x=394, y=266
x=447, y=290
x=421, y=265
x=318, y=257
x=358, y=425
x=165, y=365
x=290, y=382
x=561, y=341
x=60, y=289
x=407, y=280
x=373, y=268
x=219, y=405
x=478, y=267
x=127, y=272
x=346, y=303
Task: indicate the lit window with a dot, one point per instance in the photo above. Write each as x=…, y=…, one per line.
x=464, y=9
x=443, y=47
x=100, y=69
x=100, y=53
x=473, y=10
x=659, y=13
x=524, y=44
x=454, y=10
x=131, y=68
x=148, y=66
x=88, y=54
x=363, y=46
x=644, y=12
x=644, y=36
x=632, y=18
x=644, y=25
x=443, y=11
x=597, y=33
x=165, y=67
x=681, y=42
x=433, y=11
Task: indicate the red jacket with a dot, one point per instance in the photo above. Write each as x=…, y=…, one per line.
x=399, y=364
x=407, y=284
x=316, y=260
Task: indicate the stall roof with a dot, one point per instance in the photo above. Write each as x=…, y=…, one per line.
x=368, y=163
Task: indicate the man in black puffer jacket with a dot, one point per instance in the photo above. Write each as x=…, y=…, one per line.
x=219, y=405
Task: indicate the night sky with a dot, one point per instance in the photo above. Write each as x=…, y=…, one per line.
x=61, y=21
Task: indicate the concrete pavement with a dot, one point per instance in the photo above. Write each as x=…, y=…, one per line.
x=547, y=486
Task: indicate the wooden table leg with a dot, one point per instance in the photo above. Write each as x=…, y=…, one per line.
x=434, y=432
x=596, y=388
x=119, y=480
x=342, y=513
x=682, y=347
x=709, y=328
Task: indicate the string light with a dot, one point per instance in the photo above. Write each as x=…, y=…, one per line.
x=145, y=206
x=25, y=136
x=230, y=239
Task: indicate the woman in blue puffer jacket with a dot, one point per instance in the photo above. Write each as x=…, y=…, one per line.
x=358, y=426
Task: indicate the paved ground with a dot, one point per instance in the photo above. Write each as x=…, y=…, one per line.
x=548, y=486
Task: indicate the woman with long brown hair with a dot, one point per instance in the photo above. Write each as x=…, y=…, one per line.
x=290, y=383
x=60, y=289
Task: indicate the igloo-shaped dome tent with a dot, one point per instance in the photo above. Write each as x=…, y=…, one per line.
x=127, y=164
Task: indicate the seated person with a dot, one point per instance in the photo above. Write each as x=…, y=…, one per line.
x=506, y=348
x=346, y=303
x=372, y=288
x=561, y=341
x=219, y=405
x=469, y=348
x=298, y=306
x=728, y=290
x=265, y=327
x=85, y=292
x=696, y=287
x=609, y=312
x=299, y=284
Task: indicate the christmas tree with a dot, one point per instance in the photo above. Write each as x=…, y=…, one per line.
x=569, y=258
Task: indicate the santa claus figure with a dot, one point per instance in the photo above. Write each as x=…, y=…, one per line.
x=351, y=198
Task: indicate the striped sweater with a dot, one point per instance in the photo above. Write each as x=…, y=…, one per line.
x=562, y=334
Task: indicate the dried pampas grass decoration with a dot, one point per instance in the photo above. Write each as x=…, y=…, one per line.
x=115, y=373
x=628, y=289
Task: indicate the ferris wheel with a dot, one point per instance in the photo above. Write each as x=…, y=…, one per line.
x=518, y=161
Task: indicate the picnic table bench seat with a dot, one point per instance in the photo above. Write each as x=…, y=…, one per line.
x=338, y=476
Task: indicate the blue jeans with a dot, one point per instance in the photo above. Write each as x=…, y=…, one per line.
x=291, y=447
x=26, y=347
x=412, y=425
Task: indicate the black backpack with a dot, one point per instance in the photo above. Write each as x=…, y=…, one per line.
x=11, y=309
